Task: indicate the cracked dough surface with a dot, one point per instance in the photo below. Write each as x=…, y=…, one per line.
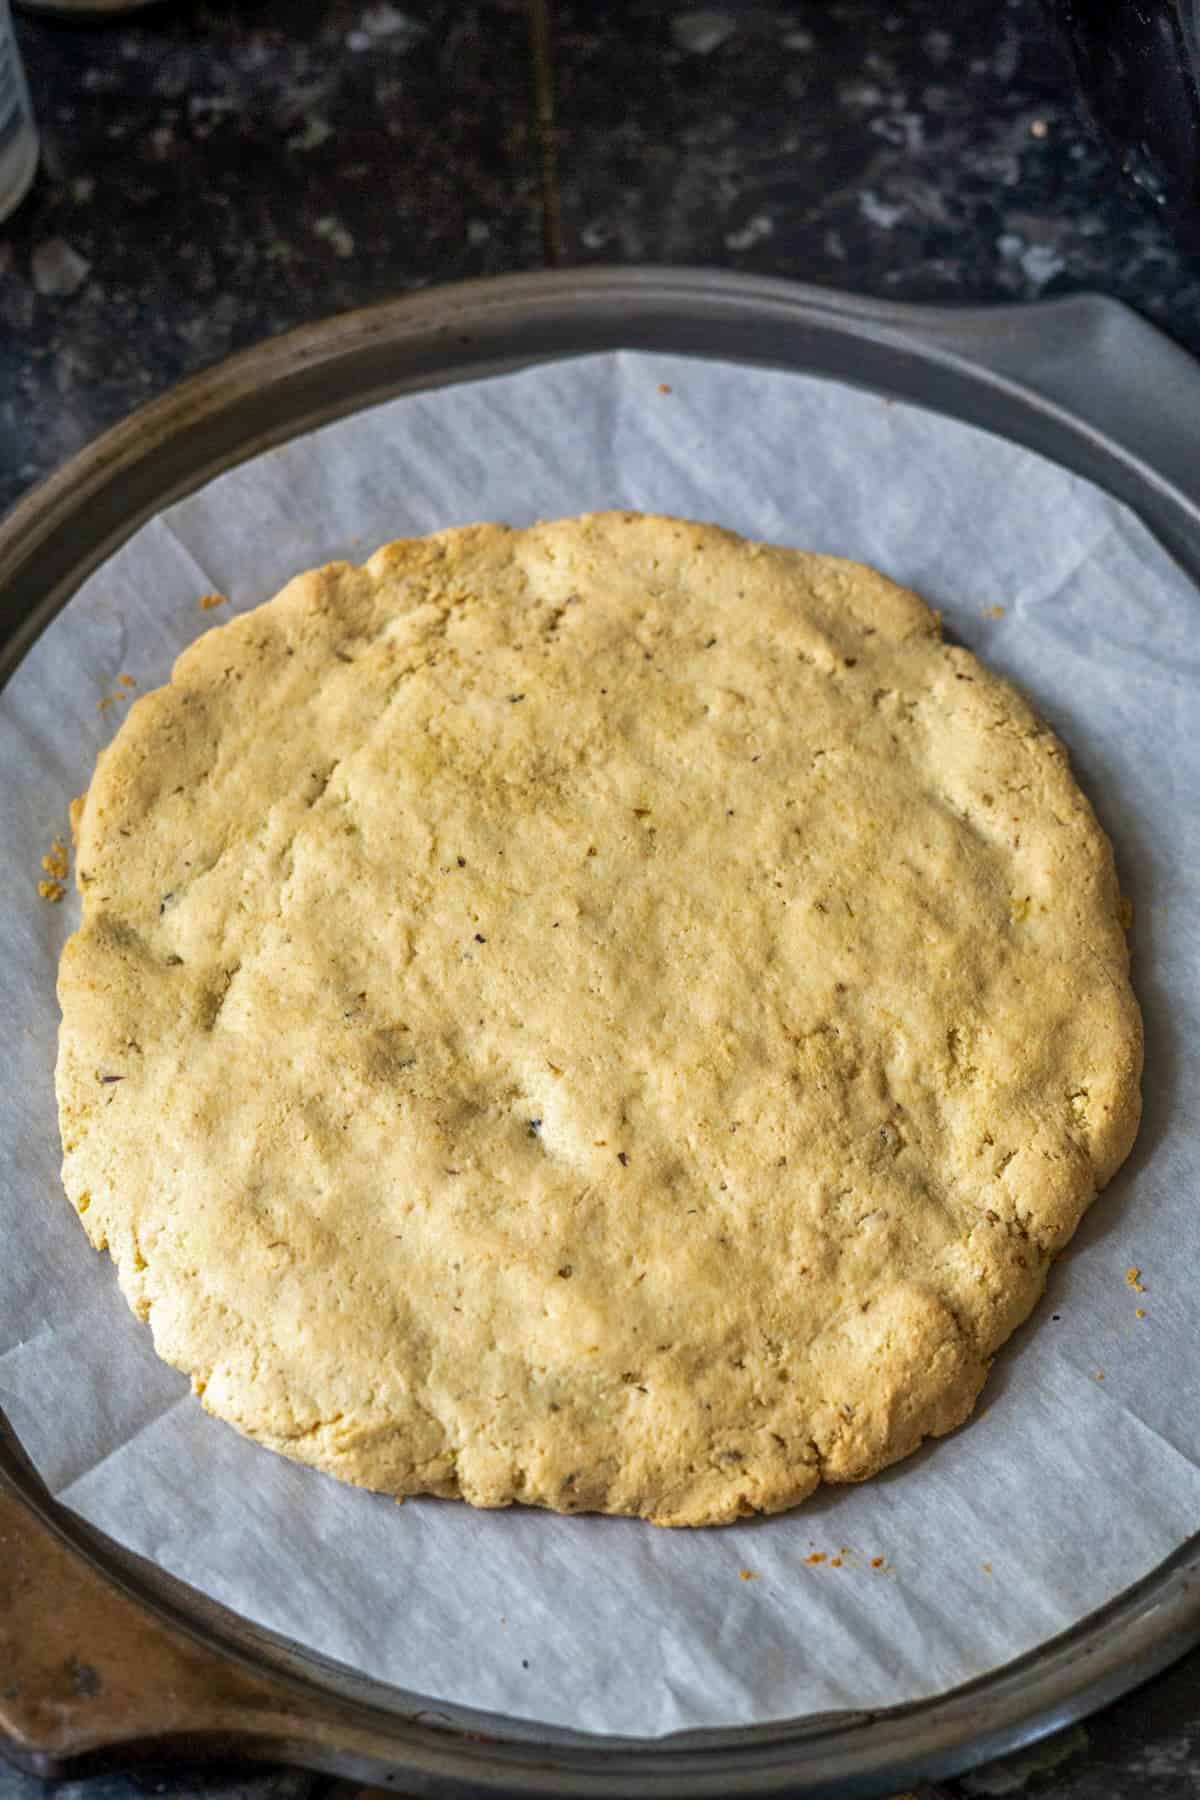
x=606, y=1015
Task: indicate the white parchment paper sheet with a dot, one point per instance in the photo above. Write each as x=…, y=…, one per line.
x=1064, y=1489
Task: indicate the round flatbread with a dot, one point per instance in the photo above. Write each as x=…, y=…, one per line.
x=607, y=1015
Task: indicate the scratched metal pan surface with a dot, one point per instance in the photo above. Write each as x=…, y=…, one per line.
x=103, y=1655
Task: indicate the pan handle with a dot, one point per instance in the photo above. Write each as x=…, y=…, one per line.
x=92, y=1676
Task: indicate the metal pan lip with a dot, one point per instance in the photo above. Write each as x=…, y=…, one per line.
x=263, y=396
x=266, y=395
x=386, y=1732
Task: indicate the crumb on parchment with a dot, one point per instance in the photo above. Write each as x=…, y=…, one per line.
x=209, y=601
x=843, y=1558
x=54, y=863
x=747, y=1575
x=993, y=612
x=664, y=387
x=1133, y=1278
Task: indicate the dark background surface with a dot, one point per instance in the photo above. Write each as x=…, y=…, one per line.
x=214, y=174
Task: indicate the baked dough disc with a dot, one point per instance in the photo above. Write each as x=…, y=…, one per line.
x=608, y=1015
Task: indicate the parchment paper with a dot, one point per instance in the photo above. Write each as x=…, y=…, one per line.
x=1065, y=1488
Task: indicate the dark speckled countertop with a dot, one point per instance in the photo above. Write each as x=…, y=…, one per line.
x=211, y=175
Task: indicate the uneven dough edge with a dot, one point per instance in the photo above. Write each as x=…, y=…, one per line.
x=941, y=1364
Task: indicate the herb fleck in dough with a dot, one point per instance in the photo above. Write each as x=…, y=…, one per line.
x=607, y=1015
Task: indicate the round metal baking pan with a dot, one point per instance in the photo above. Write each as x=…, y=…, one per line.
x=1081, y=381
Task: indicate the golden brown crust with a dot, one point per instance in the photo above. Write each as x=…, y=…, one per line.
x=608, y=1015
